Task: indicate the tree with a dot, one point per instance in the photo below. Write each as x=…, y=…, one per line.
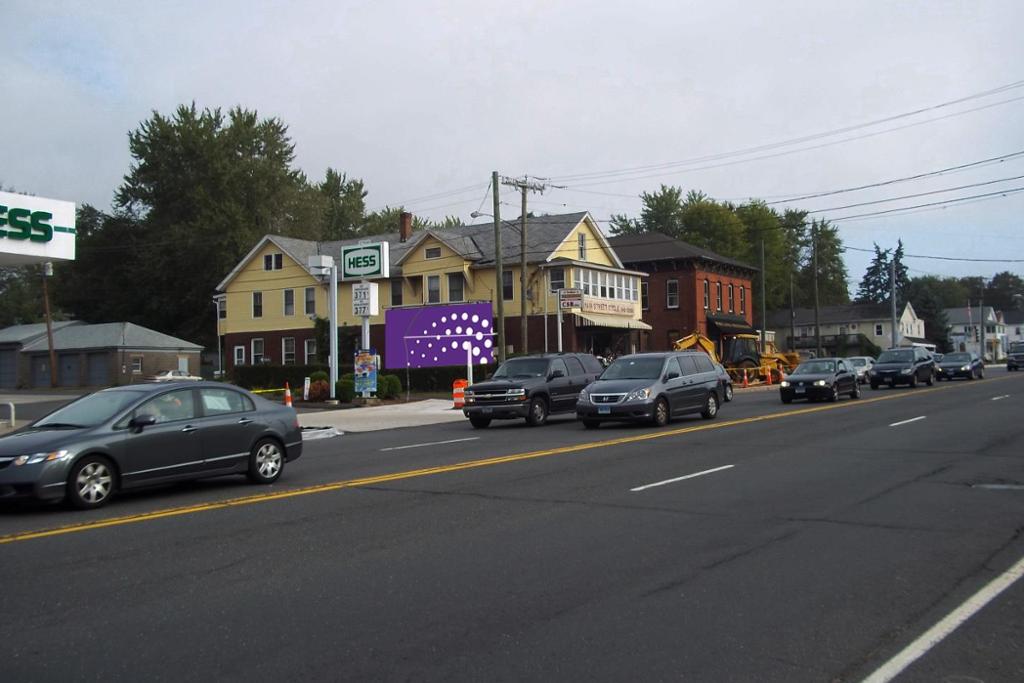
x=874, y=286
x=902, y=277
x=344, y=205
x=1002, y=290
x=930, y=309
x=832, y=274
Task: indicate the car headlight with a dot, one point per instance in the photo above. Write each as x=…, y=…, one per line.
x=871, y=372
x=965, y=368
x=820, y=383
x=516, y=392
x=584, y=396
x=639, y=394
x=907, y=371
x=35, y=458
x=783, y=384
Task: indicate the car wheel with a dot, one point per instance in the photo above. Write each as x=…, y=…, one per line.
x=591, y=424
x=971, y=375
x=728, y=393
x=787, y=399
x=91, y=482
x=913, y=381
x=834, y=396
x=266, y=462
x=856, y=391
x=981, y=374
x=710, y=407
x=874, y=386
x=931, y=379
x=538, y=414
x=480, y=422
x=660, y=416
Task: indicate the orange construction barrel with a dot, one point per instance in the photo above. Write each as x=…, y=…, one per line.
x=459, y=392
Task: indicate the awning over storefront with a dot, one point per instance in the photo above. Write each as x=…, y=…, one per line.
x=604, y=320
x=730, y=324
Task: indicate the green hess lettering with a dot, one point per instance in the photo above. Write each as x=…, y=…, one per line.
x=23, y=224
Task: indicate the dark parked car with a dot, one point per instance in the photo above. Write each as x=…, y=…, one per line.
x=961, y=364
x=653, y=387
x=820, y=379
x=146, y=434
x=1015, y=357
x=902, y=366
x=531, y=387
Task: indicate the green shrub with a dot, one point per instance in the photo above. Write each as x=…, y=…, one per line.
x=389, y=386
x=345, y=390
x=318, y=376
x=319, y=390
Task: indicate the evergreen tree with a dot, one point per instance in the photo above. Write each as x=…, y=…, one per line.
x=874, y=286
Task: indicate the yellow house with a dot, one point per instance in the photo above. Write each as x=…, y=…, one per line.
x=270, y=300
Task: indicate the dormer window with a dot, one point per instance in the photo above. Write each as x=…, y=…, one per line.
x=273, y=261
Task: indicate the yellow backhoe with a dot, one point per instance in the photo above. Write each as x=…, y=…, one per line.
x=741, y=354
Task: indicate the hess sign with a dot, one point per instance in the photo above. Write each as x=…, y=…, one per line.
x=365, y=302
x=365, y=261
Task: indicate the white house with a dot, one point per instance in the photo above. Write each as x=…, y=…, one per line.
x=849, y=326
x=965, y=331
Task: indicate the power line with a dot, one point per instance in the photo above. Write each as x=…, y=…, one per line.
x=791, y=141
x=947, y=202
x=944, y=258
x=919, y=194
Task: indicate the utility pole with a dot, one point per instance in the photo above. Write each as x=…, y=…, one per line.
x=47, y=272
x=523, y=185
x=764, y=311
x=981, y=314
x=892, y=297
x=499, y=273
x=817, y=306
x=792, y=316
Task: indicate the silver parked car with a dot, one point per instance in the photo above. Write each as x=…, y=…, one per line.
x=861, y=365
x=145, y=434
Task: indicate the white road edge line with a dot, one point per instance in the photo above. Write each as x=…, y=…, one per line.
x=688, y=476
x=1000, y=398
x=904, y=422
x=432, y=443
x=947, y=625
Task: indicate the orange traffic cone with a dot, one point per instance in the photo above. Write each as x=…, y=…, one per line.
x=287, y=394
x=769, y=376
x=745, y=383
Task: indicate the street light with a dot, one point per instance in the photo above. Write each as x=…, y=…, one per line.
x=499, y=280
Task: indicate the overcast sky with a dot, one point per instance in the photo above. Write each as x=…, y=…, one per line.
x=425, y=98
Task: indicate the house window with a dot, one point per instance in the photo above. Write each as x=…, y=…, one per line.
x=672, y=294
x=257, y=304
x=310, y=300
x=603, y=279
x=718, y=296
x=432, y=253
x=743, y=300
x=732, y=300
x=581, y=247
x=239, y=355
x=557, y=277
x=878, y=329
x=455, y=287
x=288, y=351
x=257, y=351
x=222, y=308
x=289, y=302
x=707, y=294
x=645, y=303
x=137, y=365
x=396, y=293
x=310, y=351
x=433, y=289
x=507, y=291
x=273, y=262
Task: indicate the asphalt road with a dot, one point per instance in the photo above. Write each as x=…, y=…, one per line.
x=816, y=543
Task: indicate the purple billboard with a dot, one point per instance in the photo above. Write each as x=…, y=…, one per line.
x=433, y=336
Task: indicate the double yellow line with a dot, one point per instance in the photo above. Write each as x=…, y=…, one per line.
x=441, y=469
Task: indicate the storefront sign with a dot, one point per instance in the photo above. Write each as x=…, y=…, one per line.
x=366, y=371
x=365, y=261
x=365, y=301
x=35, y=229
x=570, y=298
x=592, y=305
x=438, y=336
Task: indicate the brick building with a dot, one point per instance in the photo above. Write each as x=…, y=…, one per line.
x=688, y=289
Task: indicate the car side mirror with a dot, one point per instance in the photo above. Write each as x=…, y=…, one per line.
x=555, y=374
x=671, y=375
x=140, y=421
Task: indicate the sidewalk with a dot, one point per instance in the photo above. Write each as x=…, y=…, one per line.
x=375, y=418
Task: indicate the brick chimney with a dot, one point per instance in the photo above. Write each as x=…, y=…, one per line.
x=405, y=227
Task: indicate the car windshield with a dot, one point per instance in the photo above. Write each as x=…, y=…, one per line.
x=522, y=367
x=634, y=368
x=90, y=410
x=1017, y=347
x=815, y=367
x=957, y=357
x=859, y=362
x=896, y=357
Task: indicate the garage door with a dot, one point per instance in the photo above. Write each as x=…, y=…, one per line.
x=70, y=370
x=98, y=369
x=8, y=369
x=40, y=372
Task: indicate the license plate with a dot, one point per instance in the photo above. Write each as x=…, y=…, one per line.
x=604, y=410
x=800, y=390
x=488, y=410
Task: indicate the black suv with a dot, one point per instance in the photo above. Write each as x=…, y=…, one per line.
x=903, y=366
x=1015, y=359
x=531, y=387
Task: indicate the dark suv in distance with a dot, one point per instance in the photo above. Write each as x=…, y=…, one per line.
x=531, y=387
x=1015, y=357
x=903, y=366
x=652, y=387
